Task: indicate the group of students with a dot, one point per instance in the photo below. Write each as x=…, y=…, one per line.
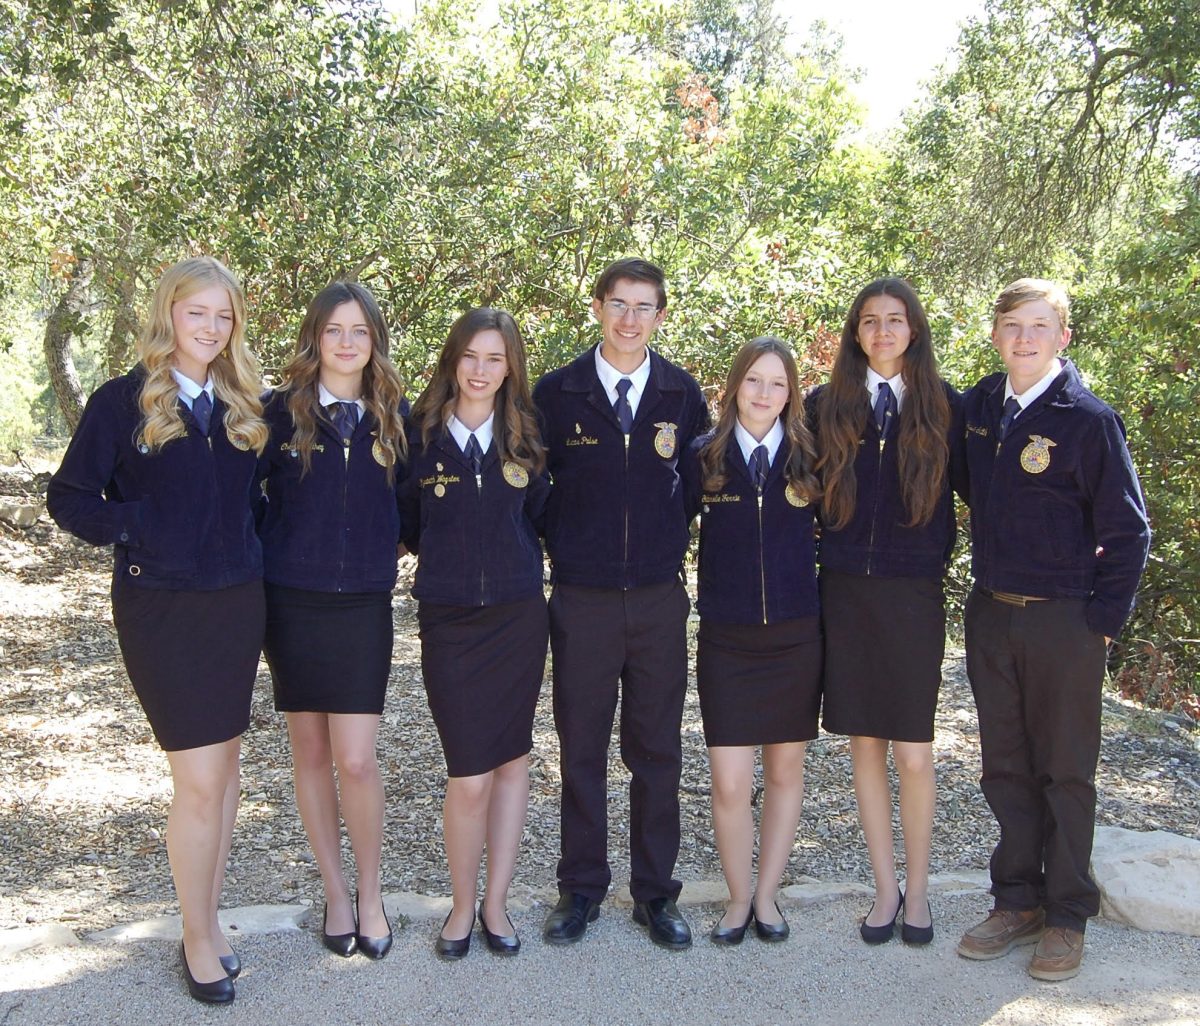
x=242, y=522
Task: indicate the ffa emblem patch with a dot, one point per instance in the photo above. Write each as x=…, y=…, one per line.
x=238, y=443
x=142, y=447
x=515, y=474
x=792, y=493
x=379, y=453
x=1035, y=457
x=578, y=429
x=440, y=468
x=664, y=441
x=439, y=490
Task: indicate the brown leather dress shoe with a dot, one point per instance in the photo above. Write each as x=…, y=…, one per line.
x=1057, y=955
x=1003, y=930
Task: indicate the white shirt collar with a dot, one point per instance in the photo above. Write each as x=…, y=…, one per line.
x=748, y=443
x=188, y=389
x=609, y=376
x=324, y=396
x=461, y=433
x=1034, y=390
x=874, y=379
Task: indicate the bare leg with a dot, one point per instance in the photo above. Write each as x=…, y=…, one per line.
x=317, y=800
x=783, y=799
x=918, y=798
x=201, y=778
x=228, y=819
x=733, y=823
x=352, y=737
x=465, y=823
x=874, y=794
x=505, y=824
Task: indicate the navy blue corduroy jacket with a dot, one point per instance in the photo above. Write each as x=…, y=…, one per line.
x=1056, y=508
x=877, y=540
x=180, y=518
x=477, y=543
x=616, y=517
x=335, y=528
x=757, y=564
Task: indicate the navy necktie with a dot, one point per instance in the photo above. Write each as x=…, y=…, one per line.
x=622, y=406
x=885, y=408
x=759, y=465
x=475, y=455
x=1011, y=409
x=345, y=419
x=202, y=412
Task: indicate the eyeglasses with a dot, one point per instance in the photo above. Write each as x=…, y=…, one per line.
x=642, y=311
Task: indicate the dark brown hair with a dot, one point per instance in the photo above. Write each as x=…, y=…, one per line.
x=799, y=469
x=516, y=430
x=635, y=270
x=382, y=389
x=924, y=420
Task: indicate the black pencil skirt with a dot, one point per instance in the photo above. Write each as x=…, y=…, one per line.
x=759, y=684
x=329, y=652
x=884, y=642
x=483, y=668
x=191, y=657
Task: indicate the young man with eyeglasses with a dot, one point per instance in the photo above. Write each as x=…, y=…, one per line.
x=615, y=421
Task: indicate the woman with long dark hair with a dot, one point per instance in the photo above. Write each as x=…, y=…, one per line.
x=882, y=431
x=330, y=535
x=758, y=661
x=474, y=502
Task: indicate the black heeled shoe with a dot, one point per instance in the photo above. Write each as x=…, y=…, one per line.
x=344, y=944
x=452, y=950
x=373, y=947
x=231, y=964
x=218, y=992
x=731, y=935
x=501, y=945
x=772, y=933
x=917, y=934
x=880, y=934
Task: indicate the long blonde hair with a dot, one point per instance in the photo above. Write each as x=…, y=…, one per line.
x=382, y=389
x=235, y=374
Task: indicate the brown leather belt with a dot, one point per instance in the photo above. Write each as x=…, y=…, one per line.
x=1008, y=598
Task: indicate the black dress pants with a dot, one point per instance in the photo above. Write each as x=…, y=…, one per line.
x=604, y=640
x=1037, y=673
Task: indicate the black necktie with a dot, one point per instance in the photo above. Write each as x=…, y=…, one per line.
x=759, y=465
x=885, y=408
x=475, y=455
x=202, y=412
x=345, y=419
x=1011, y=409
x=624, y=410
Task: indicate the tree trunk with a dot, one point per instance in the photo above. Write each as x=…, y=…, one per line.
x=64, y=323
x=125, y=328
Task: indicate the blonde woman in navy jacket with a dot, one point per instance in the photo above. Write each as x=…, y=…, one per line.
x=758, y=661
x=883, y=453
x=473, y=507
x=162, y=467
x=330, y=535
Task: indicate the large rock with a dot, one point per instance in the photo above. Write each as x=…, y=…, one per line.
x=1150, y=881
x=26, y=938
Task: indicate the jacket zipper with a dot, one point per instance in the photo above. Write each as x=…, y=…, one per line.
x=625, y=537
x=345, y=496
x=479, y=534
x=875, y=505
x=762, y=562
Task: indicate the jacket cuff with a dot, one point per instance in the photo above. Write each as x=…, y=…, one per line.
x=1102, y=619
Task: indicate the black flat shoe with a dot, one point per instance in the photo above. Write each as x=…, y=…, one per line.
x=917, y=934
x=731, y=935
x=452, y=950
x=772, y=933
x=344, y=944
x=508, y=945
x=880, y=934
x=373, y=947
x=568, y=920
x=231, y=964
x=218, y=992
x=664, y=922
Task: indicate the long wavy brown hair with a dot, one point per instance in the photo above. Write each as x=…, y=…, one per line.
x=802, y=458
x=516, y=431
x=236, y=379
x=924, y=421
x=382, y=389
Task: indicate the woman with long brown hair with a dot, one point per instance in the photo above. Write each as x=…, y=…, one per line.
x=473, y=508
x=758, y=661
x=882, y=431
x=162, y=467
x=330, y=535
